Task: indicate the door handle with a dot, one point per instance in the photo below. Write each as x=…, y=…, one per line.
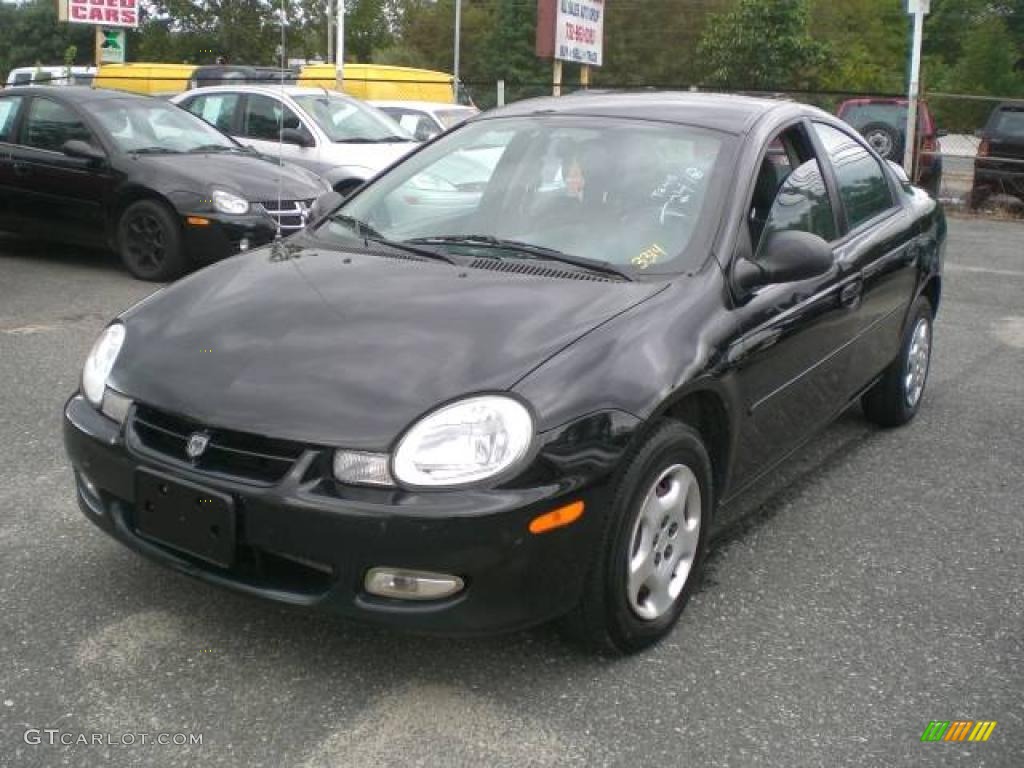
x=851, y=294
x=21, y=169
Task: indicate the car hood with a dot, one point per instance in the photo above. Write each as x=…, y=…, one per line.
x=375, y=157
x=342, y=348
x=253, y=176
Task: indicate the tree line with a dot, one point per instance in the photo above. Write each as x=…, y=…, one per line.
x=855, y=46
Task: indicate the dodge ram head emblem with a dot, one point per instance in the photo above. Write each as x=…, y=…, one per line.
x=196, y=444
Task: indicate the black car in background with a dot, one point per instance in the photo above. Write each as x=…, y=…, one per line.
x=537, y=403
x=163, y=188
x=999, y=165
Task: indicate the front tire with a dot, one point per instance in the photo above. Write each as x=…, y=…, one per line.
x=653, y=547
x=896, y=397
x=149, y=241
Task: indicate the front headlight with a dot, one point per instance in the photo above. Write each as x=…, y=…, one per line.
x=464, y=442
x=100, y=362
x=229, y=202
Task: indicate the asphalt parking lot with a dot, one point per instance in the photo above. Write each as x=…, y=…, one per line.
x=877, y=584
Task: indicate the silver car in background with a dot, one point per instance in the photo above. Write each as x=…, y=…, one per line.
x=342, y=139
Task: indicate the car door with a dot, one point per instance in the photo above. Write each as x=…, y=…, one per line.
x=879, y=252
x=60, y=196
x=262, y=118
x=10, y=108
x=789, y=356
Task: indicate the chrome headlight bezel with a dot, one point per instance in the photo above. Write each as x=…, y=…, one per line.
x=100, y=362
x=225, y=201
x=510, y=414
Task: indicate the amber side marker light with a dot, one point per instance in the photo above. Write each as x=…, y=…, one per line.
x=198, y=221
x=557, y=518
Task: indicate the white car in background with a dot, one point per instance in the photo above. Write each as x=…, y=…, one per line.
x=51, y=75
x=425, y=119
x=342, y=139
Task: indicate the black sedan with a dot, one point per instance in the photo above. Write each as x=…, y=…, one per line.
x=474, y=418
x=163, y=188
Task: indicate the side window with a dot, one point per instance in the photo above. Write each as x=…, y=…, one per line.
x=790, y=198
x=263, y=117
x=8, y=115
x=863, y=186
x=50, y=124
x=218, y=109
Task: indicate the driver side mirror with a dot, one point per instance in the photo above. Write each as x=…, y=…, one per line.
x=297, y=137
x=83, y=150
x=326, y=204
x=786, y=257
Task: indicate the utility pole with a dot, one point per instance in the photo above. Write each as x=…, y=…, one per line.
x=330, y=31
x=340, y=55
x=919, y=9
x=458, y=36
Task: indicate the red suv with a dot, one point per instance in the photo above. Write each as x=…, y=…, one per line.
x=883, y=121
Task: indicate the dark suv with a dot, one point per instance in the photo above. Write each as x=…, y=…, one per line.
x=999, y=166
x=883, y=121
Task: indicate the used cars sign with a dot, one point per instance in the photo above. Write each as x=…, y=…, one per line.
x=111, y=13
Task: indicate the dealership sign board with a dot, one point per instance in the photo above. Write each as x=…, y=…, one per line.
x=109, y=13
x=571, y=30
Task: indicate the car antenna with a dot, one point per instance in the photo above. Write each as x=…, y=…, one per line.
x=280, y=124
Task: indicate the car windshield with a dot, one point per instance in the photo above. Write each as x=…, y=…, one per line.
x=347, y=120
x=634, y=195
x=1010, y=122
x=150, y=125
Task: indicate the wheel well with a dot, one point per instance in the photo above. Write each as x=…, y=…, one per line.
x=706, y=412
x=933, y=292
x=125, y=198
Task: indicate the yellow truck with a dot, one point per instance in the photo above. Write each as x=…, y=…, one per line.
x=376, y=82
x=379, y=82
x=146, y=78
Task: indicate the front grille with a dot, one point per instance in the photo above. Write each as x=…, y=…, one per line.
x=290, y=215
x=236, y=455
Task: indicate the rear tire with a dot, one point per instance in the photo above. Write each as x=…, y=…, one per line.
x=654, y=544
x=149, y=241
x=895, y=398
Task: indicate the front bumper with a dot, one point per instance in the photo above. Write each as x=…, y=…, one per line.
x=995, y=177
x=298, y=544
x=224, y=235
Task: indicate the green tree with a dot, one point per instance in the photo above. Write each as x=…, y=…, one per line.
x=30, y=34
x=764, y=45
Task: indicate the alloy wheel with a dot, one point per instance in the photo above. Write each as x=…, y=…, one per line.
x=663, y=545
x=145, y=241
x=918, y=359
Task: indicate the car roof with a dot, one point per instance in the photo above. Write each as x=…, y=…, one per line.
x=78, y=94
x=272, y=89
x=722, y=112
x=427, y=106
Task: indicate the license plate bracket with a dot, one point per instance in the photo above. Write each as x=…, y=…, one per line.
x=186, y=517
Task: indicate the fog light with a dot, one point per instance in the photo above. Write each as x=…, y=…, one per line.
x=90, y=493
x=243, y=244
x=411, y=585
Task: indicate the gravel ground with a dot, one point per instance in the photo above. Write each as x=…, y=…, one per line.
x=876, y=584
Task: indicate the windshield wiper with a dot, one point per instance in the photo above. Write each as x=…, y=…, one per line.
x=371, y=235
x=154, y=151
x=529, y=249
x=219, y=148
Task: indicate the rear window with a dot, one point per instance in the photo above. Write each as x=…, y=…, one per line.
x=1009, y=121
